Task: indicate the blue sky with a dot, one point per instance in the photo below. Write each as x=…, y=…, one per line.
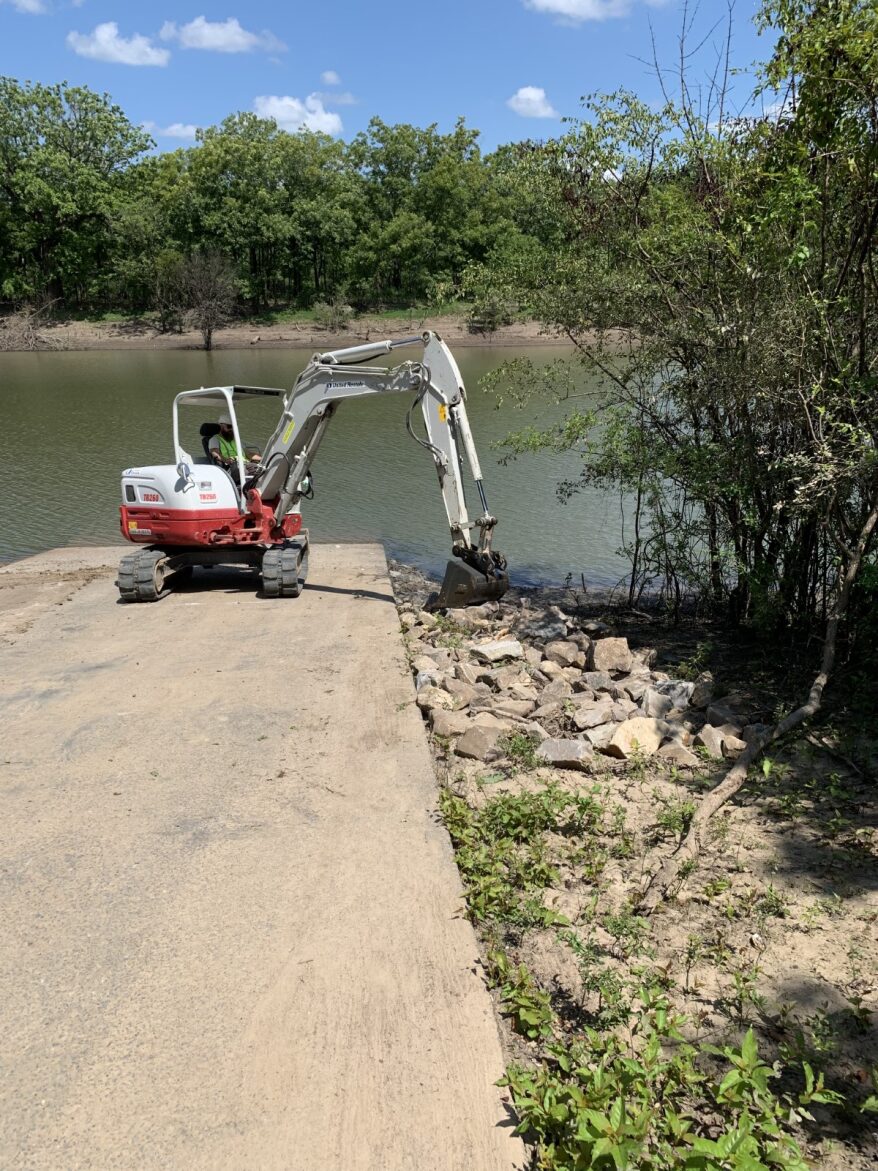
x=512, y=68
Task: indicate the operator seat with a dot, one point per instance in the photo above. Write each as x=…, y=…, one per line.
x=207, y=432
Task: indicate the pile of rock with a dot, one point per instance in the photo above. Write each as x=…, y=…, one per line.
x=484, y=673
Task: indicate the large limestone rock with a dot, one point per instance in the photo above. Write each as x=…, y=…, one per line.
x=655, y=704
x=557, y=689
x=574, y=754
x=462, y=693
x=702, y=691
x=712, y=739
x=601, y=736
x=479, y=743
x=502, y=706
x=679, y=755
x=542, y=629
x=612, y=655
x=441, y=656
x=449, y=724
x=733, y=746
x=642, y=734
x=589, y=715
x=565, y=654
x=496, y=652
x=434, y=697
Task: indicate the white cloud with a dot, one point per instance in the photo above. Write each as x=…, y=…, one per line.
x=105, y=44
x=531, y=102
x=220, y=36
x=330, y=77
x=578, y=11
x=175, y=130
x=335, y=99
x=34, y=6
x=293, y=114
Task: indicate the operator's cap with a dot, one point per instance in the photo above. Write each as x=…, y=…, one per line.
x=225, y=418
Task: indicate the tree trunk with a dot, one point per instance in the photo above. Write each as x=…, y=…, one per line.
x=660, y=883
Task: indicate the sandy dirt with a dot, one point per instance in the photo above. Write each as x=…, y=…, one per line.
x=141, y=335
x=233, y=929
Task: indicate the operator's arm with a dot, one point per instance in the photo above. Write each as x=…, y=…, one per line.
x=213, y=446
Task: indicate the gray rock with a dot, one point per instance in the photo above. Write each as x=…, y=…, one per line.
x=565, y=753
x=502, y=706
x=677, y=690
x=752, y=732
x=468, y=673
x=679, y=755
x=462, y=693
x=533, y=656
x=424, y=663
x=489, y=720
x=733, y=747
x=655, y=704
x=598, y=681
x=440, y=655
x=548, y=711
x=479, y=743
x=542, y=630
x=551, y=669
x=426, y=620
x=642, y=734
x=702, y=690
x=407, y=619
x=634, y=687
x=505, y=677
x=468, y=619
x=496, y=652
x=619, y=712
x=431, y=678
x=581, y=640
x=596, y=629
x=565, y=654
x=557, y=689
x=711, y=739
x=430, y=697
x=449, y=723
x=600, y=736
x=590, y=715
x=611, y=655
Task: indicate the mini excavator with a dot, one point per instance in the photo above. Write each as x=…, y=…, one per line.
x=197, y=512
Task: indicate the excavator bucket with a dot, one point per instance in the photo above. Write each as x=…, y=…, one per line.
x=465, y=586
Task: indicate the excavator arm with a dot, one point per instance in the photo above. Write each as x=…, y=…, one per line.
x=476, y=572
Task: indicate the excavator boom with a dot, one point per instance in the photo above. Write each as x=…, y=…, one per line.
x=475, y=573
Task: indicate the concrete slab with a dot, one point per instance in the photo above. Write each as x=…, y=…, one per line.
x=232, y=923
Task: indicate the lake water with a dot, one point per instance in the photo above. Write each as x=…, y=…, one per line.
x=72, y=421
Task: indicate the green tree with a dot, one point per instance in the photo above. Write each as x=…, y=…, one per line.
x=64, y=151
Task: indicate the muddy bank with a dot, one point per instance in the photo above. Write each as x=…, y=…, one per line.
x=140, y=334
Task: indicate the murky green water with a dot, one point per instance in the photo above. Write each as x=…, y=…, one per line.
x=72, y=421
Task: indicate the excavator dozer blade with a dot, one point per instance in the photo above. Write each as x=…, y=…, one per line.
x=466, y=586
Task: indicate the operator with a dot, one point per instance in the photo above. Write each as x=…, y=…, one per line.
x=224, y=450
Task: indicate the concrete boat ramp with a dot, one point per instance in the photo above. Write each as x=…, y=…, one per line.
x=231, y=919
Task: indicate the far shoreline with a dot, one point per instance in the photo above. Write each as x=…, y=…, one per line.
x=139, y=334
